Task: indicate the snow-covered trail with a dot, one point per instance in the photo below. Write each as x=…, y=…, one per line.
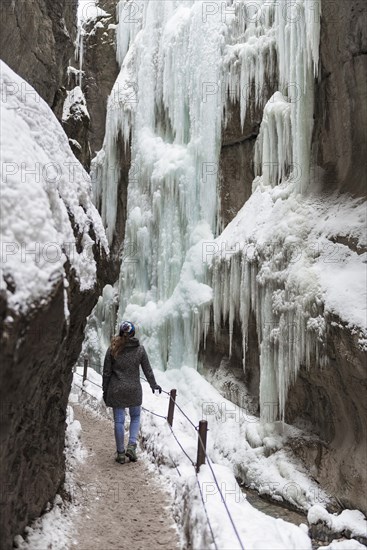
x=122, y=506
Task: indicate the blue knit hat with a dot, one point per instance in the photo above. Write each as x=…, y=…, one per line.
x=126, y=327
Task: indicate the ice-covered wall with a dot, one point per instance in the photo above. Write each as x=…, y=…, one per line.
x=183, y=66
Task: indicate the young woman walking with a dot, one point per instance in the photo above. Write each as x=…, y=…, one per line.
x=122, y=387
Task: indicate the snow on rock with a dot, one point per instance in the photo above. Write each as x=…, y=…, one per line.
x=88, y=9
x=281, y=257
x=75, y=105
x=343, y=545
x=352, y=522
x=45, y=199
x=52, y=530
x=256, y=530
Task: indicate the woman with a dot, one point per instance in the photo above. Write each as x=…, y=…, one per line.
x=122, y=387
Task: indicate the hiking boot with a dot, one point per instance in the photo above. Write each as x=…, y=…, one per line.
x=131, y=452
x=120, y=458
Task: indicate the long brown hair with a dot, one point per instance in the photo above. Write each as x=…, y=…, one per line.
x=118, y=344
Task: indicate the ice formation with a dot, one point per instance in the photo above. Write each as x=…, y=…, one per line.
x=183, y=64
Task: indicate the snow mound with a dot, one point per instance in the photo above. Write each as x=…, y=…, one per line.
x=236, y=441
x=89, y=10
x=352, y=521
x=343, y=545
x=75, y=105
x=46, y=207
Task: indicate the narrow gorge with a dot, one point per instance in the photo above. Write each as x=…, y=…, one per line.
x=198, y=168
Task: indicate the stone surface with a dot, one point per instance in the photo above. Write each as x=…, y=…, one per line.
x=236, y=383
x=76, y=127
x=100, y=71
x=38, y=350
x=331, y=402
x=340, y=138
x=236, y=168
x=36, y=41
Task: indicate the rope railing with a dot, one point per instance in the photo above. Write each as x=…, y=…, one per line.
x=206, y=513
x=155, y=414
x=181, y=447
x=201, y=429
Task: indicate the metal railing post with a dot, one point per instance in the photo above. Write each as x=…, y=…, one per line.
x=203, y=428
x=171, y=406
x=85, y=369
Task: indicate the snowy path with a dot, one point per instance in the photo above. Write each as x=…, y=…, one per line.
x=123, y=506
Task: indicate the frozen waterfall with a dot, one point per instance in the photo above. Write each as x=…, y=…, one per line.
x=183, y=64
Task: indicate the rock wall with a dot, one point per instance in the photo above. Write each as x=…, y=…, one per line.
x=101, y=70
x=37, y=355
x=37, y=41
x=333, y=400
x=340, y=138
x=331, y=403
x=236, y=164
x=76, y=123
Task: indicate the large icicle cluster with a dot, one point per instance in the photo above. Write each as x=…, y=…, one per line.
x=167, y=54
x=275, y=44
x=276, y=48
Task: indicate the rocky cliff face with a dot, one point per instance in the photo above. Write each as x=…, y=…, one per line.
x=100, y=70
x=76, y=123
x=331, y=403
x=333, y=400
x=37, y=41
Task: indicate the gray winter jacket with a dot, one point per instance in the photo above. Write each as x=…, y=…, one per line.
x=121, y=375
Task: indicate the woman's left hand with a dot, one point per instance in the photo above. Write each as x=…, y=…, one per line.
x=156, y=387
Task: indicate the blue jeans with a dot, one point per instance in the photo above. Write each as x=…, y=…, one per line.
x=119, y=418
